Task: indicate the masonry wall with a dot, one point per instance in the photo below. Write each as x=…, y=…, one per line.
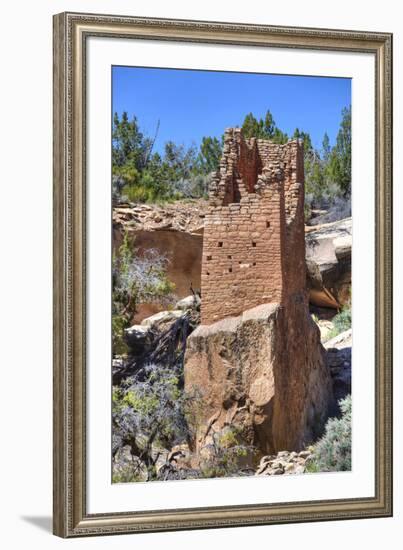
x=241, y=263
x=252, y=251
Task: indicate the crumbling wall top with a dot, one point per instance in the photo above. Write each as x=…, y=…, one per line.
x=251, y=165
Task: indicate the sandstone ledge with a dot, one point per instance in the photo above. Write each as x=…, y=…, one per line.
x=261, y=313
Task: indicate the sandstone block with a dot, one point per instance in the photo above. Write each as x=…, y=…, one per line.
x=263, y=372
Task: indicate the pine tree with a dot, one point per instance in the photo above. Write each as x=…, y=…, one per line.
x=340, y=162
x=210, y=154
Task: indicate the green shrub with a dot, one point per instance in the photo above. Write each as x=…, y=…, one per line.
x=332, y=453
x=119, y=346
x=341, y=322
x=148, y=411
x=125, y=475
x=138, y=193
x=227, y=455
x=127, y=468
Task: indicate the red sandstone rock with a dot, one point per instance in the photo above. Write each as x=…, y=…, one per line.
x=263, y=372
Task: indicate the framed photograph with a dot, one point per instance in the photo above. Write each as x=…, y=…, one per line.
x=222, y=274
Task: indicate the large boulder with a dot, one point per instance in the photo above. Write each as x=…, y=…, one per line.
x=262, y=372
x=189, y=302
x=328, y=261
x=159, y=339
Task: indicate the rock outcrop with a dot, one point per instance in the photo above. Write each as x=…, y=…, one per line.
x=185, y=216
x=175, y=231
x=328, y=260
x=159, y=339
x=284, y=463
x=338, y=357
x=263, y=372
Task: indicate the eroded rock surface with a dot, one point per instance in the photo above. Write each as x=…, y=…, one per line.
x=175, y=231
x=338, y=356
x=328, y=260
x=284, y=463
x=263, y=372
x=187, y=215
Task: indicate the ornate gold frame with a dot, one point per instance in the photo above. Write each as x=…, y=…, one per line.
x=70, y=33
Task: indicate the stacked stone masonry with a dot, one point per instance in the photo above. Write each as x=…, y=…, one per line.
x=253, y=246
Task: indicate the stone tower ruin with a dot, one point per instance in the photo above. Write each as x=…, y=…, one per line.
x=253, y=245
x=256, y=360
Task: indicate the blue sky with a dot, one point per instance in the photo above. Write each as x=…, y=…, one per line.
x=192, y=104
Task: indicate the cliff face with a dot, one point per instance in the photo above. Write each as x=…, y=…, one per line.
x=175, y=231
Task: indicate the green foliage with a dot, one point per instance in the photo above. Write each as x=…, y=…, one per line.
x=148, y=412
x=129, y=146
x=326, y=149
x=125, y=474
x=178, y=163
x=210, y=154
x=139, y=193
x=145, y=398
x=305, y=137
x=340, y=157
x=141, y=176
x=341, y=322
x=332, y=453
x=227, y=454
x=119, y=323
x=328, y=171
x=127, y=469
x=263, y=128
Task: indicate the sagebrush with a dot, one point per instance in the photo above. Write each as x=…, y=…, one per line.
x=332, y=453
x=341, y=322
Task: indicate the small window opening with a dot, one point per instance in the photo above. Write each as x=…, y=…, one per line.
x=220, y=244
x=253, y=244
